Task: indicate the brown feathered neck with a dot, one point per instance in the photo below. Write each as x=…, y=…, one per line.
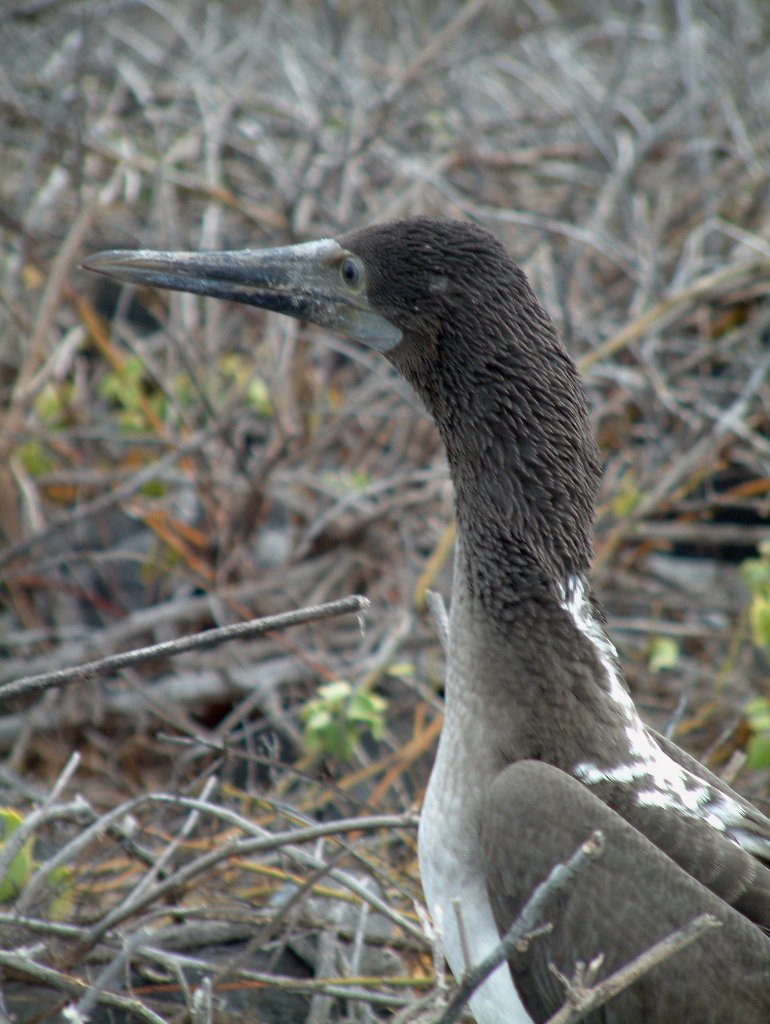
x=489, y=365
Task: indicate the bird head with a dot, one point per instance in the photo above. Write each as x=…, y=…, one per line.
x=444, y=302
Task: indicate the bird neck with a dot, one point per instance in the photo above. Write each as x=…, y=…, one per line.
x=526, y=638
x=530, y=659
x=525, y=470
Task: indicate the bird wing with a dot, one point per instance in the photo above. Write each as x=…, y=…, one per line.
x=632, y=896
x=711, y=832
x=754, y=835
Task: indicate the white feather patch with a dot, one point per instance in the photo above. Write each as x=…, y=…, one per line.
x=659, y=780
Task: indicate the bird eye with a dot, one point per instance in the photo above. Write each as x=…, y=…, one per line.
x=352, y=272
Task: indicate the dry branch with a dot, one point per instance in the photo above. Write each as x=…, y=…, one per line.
x=526, y=925
x=581, y=1001
x=200, y=641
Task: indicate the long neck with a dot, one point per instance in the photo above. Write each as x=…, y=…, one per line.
x=525, y=471
x=524, y=465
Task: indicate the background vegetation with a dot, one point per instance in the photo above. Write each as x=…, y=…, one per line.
x=168, y=464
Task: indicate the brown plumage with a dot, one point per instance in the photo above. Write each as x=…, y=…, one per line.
x=541, y=742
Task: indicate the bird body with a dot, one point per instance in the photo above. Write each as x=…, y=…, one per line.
x=451, y=820
x=541, y=742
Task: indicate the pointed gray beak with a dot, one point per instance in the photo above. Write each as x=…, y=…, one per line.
x=306, y=281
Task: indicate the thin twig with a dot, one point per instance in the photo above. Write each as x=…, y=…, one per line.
x=109, y=499
x=48, y=810
x=170, y=648
x=259, y=841
x=580, y=1002
x=21, y=963
x=559, y=878
x=660, y=314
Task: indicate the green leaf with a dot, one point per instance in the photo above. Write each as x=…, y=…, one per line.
x=153, y=489
x=9, y=822
x=21, y=867
x=626, y=498
x=757, y=714
x=758, y=752
x=346, y=481
x=52, y=401
x=664, y=653
x=755, y=573
x=338, y=716
x=34, y=458
x=759, y=618
x=318, y=718
x=335, y=693
x=368, y=708
x=238, y=371
x=401, y=669
x=258, y=397
x=62, y=893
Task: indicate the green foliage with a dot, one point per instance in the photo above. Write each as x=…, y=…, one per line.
x=62, y=893
x=128, y=390
x=53, y=409
x=756, y=576
x=53, y=403
x=626, y=497
x=153, y=489
x=140, y=399
x=34, y=458
x=663, y=653
x=346, y=481
x=23, y=866
x=237, y=370
x=758, y=720
x=400, y=670
x=338, y=716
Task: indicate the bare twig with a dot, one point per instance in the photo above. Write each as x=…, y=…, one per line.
x=170, y=648
x=24, y=965
x=582, y=1001
x=260, y=841
x=155, y=470
x=559, y=878
x=675, y=305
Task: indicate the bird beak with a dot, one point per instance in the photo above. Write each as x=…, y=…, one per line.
x=302, y=281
